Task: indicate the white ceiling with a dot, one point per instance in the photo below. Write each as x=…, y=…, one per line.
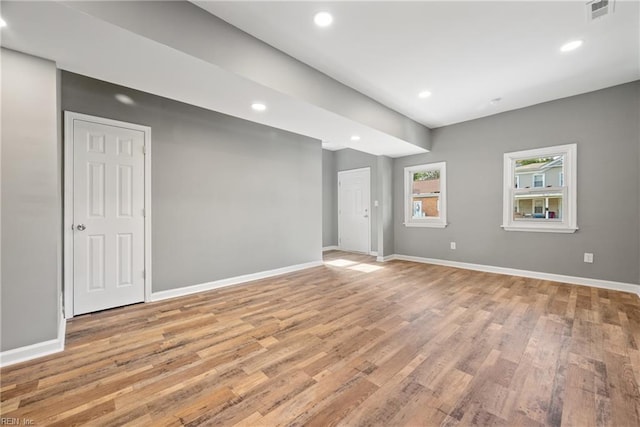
x=87, y=45
x=465, y=53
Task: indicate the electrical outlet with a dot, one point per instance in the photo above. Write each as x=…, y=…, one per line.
x=588, y=257
x=453, y=246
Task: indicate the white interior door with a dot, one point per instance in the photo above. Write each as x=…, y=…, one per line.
x=354, y=210
x=108, y=216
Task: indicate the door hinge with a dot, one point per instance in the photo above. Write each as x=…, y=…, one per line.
x=144, y=214
x=144, y=149
x=144, y=274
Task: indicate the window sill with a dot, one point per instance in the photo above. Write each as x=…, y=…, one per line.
x=566, y=230
x=426, y=224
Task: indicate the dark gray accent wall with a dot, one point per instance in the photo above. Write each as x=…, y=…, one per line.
x=30, y=201
x=229, y=197
x=329, y=199
x=604, y=124
x=348, y=159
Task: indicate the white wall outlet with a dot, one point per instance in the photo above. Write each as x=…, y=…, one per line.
x=453, y=246
x=588, y=257
x=375, y=203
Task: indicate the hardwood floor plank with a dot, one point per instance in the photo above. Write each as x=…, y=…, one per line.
x=351, y=343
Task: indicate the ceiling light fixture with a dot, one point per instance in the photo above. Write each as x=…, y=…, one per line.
x=355, y=138
x=257, y=106
x=424, y=94
x=495, y=101
x=323, y=19
x=572, y=45
x=124, y=99
x=3, y=23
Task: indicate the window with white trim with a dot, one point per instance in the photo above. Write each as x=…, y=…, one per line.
x=425, y=195
x=540, y=190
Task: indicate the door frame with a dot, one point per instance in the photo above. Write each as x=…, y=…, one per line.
x=69, y=118
x=367, y=169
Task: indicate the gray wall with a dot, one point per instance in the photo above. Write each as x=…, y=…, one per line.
x=605, y=126
x=31, y=202
x=229, y=197
x=348, y=159
x=329, y=199
x=385, y=210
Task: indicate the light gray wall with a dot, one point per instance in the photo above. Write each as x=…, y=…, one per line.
x=216, y=41
x=385, y=210
x=348, y=159
x=604, y=124
x=329, y=199
x=31, y=203
x=229, y=197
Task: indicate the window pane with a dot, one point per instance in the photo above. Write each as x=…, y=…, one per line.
x=425, y=190
x=528, y=207
x=539, y=172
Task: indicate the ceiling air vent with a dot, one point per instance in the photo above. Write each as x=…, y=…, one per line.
x=599, y=8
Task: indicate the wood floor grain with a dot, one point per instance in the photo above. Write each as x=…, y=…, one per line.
x=351, y=343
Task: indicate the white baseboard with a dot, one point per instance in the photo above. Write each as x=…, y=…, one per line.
x=188, y=290
x=373, y=253
x=40, y=349
x=386, y=258
x=329, y=248
x=584, y=281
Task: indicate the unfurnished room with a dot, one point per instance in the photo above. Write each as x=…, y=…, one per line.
x=304, y=213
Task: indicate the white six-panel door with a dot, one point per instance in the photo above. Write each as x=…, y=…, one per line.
x=354, y=222
x=108, y=216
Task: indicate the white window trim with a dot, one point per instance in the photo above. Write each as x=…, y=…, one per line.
x=568, y=224
x=409, y=221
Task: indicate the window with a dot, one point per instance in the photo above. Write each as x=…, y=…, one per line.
x=540, y=190
x=538, y=181
x=425, y=195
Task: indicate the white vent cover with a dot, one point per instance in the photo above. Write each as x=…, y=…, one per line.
x=599, y=8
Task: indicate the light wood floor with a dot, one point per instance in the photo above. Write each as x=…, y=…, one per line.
x=352, y=343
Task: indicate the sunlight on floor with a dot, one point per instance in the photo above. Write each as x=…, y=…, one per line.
x=351, y=265
x=366, y=268
x=340, y=263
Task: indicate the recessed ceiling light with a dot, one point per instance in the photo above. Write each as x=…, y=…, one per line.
x=495, y=101
x=424, y=94
x=355, y=138
x=323, y=19
x=573, y=45
x=3, y=23
x=257, y=106
x=124, y=99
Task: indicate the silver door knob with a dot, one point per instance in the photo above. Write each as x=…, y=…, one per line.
x=80, y=227
x=366, y=216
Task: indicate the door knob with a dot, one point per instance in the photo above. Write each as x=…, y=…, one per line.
x=80, y=227
x=366, y=216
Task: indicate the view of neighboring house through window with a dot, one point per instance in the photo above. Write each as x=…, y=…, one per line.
x=534, y=173
x=538, y=179
x=425, y=195
x=538, y=197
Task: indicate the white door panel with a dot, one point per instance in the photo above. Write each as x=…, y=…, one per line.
x=108, y=216
x=354, y=216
